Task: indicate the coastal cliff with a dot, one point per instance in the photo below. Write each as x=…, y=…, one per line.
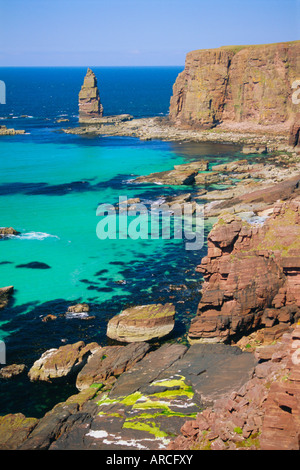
x=237, y=84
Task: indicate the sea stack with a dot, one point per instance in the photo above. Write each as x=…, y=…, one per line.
x=90, y=106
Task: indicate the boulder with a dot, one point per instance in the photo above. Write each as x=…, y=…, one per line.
x=110, y=361
x=62, y=362
x=5, y=294
x=11, y=370
x=142, y=323
x=7, y=231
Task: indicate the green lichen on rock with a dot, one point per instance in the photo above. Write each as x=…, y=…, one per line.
x=148, y=426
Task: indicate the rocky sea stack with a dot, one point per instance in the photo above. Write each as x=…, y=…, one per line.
x=89, y=98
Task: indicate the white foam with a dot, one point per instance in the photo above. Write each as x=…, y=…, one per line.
x=71, y=315
x=35, y=236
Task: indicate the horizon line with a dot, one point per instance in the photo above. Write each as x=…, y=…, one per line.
x=80, y=66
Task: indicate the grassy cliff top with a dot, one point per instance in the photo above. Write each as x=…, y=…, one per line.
x=238, y=48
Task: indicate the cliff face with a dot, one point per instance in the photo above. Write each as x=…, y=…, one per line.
x=251, y=275
x=237, y=84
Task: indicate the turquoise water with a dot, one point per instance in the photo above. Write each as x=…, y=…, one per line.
x=51, y=184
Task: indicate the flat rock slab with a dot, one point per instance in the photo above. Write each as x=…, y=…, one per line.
x=214, y=370
x=149, y=403
x=142, y=323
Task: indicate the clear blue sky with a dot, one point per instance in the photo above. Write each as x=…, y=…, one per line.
x=136, y=32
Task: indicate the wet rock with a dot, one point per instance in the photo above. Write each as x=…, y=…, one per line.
x=142, y=323
x=7, y=232
x=172, y=177
x=5, y=295
x=11, y=370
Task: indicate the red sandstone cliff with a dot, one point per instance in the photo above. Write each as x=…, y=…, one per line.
x=250, y=84
x=251, y=275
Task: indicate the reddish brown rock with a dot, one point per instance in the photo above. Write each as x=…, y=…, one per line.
x=281, y=425
x=248, y=271
x=90, y=106
x=236, y=84
x=263, y=414
x=110, y=361
x=294, y=140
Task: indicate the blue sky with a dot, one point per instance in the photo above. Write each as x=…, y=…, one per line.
x=136, y=32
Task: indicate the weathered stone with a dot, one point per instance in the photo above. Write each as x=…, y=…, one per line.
x=7, y=231
x=142, y=323
x=257, y=268
x=179, y=176
x=49, y=427
x=14, y=430
x=11, y=370
x=5, y=295
x=294, y=132
x=238, y=84
x=64, y=361
x=90, y=106
x=110, y=361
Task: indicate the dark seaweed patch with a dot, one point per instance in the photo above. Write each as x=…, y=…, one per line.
x=34, y=265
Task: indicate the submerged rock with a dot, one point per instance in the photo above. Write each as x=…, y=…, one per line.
x=142, y=323
x=34, y=265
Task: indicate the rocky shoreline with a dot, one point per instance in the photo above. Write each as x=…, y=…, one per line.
x=274, y=137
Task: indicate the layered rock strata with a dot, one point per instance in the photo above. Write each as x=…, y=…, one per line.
x=261, y=415
x=250, y=269
x=237, y=84
x=132, y=397
x=90, y=106
x=142, y=323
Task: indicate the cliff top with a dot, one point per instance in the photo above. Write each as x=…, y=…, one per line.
x=238, y=48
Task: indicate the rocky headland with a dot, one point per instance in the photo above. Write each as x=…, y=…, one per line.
x=237, y=85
